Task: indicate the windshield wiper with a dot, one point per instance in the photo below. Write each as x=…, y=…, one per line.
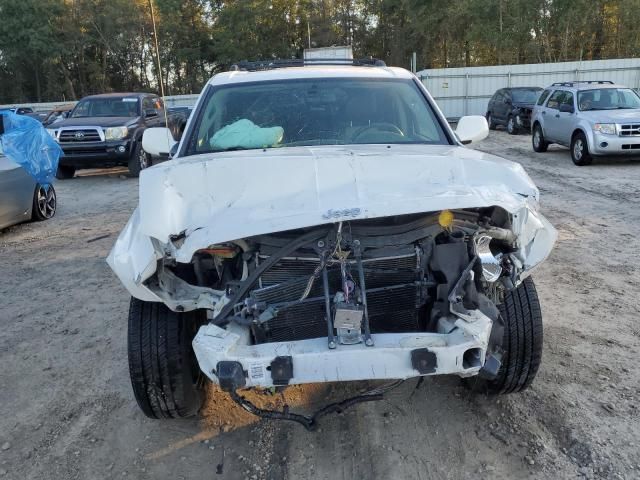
x=230, y=149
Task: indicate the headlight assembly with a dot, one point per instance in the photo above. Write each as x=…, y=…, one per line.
x=115, y=133
x=606, y=128
x=53, y=133
x=491, y=268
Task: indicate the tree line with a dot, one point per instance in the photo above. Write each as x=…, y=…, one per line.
x=53, y=50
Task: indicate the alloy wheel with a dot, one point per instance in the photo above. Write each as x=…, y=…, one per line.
x=46, y=201
x=578, y=147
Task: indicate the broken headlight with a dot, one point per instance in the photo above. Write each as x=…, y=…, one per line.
x=491, y=268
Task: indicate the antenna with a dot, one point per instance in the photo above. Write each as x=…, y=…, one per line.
x=160, y=81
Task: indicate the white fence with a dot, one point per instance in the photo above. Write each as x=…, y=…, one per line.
x=170, y=101
x=467, y=90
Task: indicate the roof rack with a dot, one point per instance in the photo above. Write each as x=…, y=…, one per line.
x=575, y=82
x=300, y=62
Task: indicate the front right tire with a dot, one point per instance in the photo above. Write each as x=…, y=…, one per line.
x=166, y=379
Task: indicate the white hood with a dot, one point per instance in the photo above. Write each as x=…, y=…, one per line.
x=220, y=197
x=226, y=196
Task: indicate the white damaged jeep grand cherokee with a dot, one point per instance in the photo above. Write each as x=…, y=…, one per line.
x=323, y=223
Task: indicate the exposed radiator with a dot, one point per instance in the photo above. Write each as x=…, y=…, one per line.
x=394, y=297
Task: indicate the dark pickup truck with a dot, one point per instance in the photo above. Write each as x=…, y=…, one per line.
x=106, y=130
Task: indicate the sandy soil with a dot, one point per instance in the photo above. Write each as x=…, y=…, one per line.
x=67, y=410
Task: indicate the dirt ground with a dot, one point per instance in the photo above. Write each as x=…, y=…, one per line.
x=67, y=410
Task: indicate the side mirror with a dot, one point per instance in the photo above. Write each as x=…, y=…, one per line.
x=472, y=129
x=158, y=142
x=566, y=108
x=150, y=112
x=507, y=101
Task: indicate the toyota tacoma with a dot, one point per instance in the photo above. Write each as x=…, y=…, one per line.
x=106, y=130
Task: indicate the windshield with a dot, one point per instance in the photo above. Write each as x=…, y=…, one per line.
x=304, y=112
x=608, y=99
x=107, y=107
x=525, y=96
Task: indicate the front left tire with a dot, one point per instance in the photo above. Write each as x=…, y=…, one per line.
x=512, y=128
x=45, y=203
x=165, y=376
x=139, y=160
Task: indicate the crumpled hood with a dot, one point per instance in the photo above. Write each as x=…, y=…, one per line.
x=528, y=106
x=226, y=196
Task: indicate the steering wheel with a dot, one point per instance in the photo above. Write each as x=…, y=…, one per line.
x=377, y=127
x=585, y=105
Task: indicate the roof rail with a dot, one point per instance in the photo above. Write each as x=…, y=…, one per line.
x=300, y=62
x=577, y=82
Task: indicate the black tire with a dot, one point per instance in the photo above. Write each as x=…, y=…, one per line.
x=166, y=380
x=45, y=203
x=540, y=145
x=522, y=343
x=65, y=172
x=580, y=150
x=492, y=125
x=512, y=128
x=139, y=160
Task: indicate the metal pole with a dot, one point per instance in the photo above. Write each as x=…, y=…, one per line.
x=466, y=93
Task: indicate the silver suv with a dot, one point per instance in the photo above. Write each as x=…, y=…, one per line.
x=591, y=118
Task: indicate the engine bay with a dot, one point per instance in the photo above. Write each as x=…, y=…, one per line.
x=352, y=279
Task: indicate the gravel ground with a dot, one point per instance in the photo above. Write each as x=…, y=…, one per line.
x=67, y=410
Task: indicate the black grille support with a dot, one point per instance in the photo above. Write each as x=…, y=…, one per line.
x=368, y=341
x=327, y=307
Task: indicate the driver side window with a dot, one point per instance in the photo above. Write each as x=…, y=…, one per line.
x=567, y=99
x=556, y=99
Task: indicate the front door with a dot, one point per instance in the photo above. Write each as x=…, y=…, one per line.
x=566, y=120
x=551, y=115
x=16, y=191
